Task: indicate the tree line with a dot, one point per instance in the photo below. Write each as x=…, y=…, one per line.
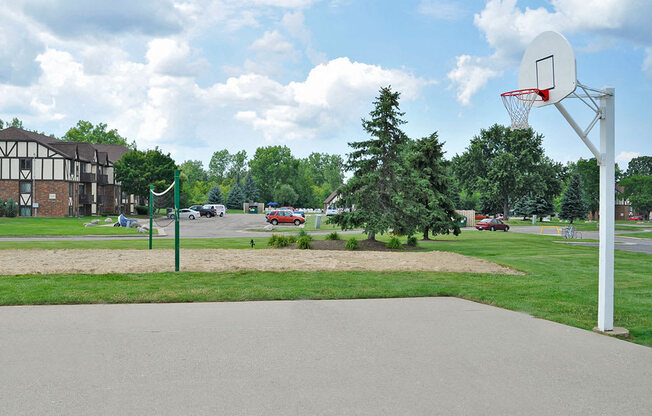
x=397, y=183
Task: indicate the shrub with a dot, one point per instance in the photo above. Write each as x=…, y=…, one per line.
x=302, y=233
x=333, y=236
x=412, y=241
x=279, y=241
x=304, y=242
x=394, y=243
x=351, y=244
x=142, y=210
x=2, y=207
x=11, y=209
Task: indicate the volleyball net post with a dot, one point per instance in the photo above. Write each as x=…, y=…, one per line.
x=165, y=200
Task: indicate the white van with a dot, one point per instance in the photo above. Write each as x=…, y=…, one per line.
x=217, y=208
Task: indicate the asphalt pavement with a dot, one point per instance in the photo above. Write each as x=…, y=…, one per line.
x=418, y=356
x=624, y=243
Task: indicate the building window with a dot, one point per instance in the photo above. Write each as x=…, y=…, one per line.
x=83, y=167
x=25, y=211
x=25, y=164
x=25, y=187
x=72, y=167
x=70, y=189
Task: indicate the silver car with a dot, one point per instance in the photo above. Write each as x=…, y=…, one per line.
x=191, y=214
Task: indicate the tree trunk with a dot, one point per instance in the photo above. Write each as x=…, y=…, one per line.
x=506, y=209
x=425, y=234
x=371, y=236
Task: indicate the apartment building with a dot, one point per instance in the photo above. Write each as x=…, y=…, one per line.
x=53, y=178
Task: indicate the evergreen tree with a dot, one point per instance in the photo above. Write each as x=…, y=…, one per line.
x=434, y=208
x=11, y=208
x=250, y=188
x=215, y=195
x=573, y=205
x=2, y=205
x=378, y=166
x=236, y=197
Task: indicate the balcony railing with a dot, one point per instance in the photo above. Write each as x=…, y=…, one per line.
x=87, y=177
x=102, y=179
x=85, y=199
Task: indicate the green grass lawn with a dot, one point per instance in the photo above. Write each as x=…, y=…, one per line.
x=560, y=281
x=578, y=224
x=37, y=226
x=637, y=235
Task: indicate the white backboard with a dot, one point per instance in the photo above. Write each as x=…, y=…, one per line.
x=549, y=64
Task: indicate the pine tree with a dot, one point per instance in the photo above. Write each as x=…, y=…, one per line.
x=250, y=188
x=2, y=205
x=11, y=208
x=215, y=195
x=430, y=190
x=378, y=166
x=236, y=197
x=572, y=201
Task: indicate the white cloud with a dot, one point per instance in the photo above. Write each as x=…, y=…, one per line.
x=470, y=76
x=623, y=158
x=272, y=42
x=333, y=94
x=294, y=23
x=508, y=30
x=173, y=57
x=441, y=9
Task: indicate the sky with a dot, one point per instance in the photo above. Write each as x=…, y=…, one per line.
x=196, y=76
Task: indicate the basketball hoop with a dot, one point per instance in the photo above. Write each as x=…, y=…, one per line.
x=518, y=104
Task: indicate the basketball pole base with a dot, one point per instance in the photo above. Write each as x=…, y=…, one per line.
x=618, y=332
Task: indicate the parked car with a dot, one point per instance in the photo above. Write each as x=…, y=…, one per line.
x=635, y=218
x=284, y=217
x=492, y=225
x=331, y=211
x=191, y=214
x=219, y=209
x=204, y=210
x=479, y=217
x=287, y=208
x=299, y=213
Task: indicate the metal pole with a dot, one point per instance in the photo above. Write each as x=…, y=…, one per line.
x=176, y=220
x=607, y=211
x=151, y=205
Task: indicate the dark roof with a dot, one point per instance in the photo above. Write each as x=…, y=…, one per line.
x=114, y=151
x=14, y=133
x=102, y=158
x=66, y=148
x=331, y=196
x=86, y=151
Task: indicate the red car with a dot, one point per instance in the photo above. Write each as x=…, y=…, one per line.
x=492, y=225
x=276, y=217
x=636, y=218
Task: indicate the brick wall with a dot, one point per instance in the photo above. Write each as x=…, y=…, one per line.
x=57, y=207
x=9, y=189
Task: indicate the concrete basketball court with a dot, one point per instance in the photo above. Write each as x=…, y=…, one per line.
x=419, y=356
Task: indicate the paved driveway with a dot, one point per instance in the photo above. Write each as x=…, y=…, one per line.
x=640, y=245
x=420, y=356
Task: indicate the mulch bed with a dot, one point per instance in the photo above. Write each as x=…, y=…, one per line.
x=363, y=245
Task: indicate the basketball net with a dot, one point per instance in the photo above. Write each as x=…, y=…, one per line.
x=518, y=104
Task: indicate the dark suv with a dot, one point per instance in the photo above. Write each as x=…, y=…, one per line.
x=204, y=212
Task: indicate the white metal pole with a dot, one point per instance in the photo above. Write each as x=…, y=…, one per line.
x=607, y=211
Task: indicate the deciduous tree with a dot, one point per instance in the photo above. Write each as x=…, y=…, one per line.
x=85, y=131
